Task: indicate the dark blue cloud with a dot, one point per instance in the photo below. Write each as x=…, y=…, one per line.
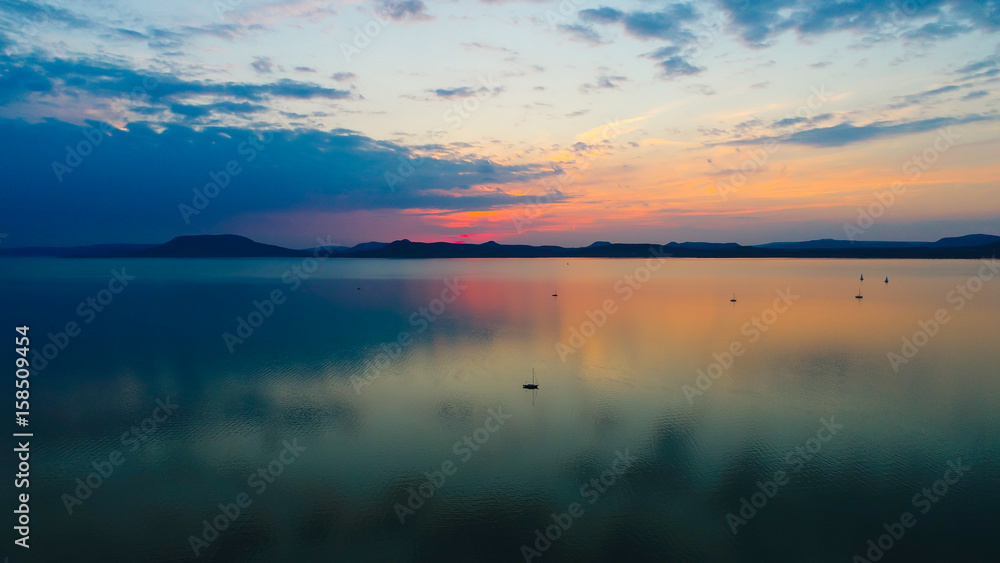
x=976, y=67
x=667, y=23
x=848, y=133
x=23, y=76
x=234, y=108
x=922, y=98
x=602, y=15
x=671, y=23
x=127, y=184
x=30, y=18
x=459, y=92
x=760, y=21
x=404, y=9
x=32, y=15
x=678, y=66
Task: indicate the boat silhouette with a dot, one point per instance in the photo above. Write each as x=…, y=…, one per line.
x=531, y=385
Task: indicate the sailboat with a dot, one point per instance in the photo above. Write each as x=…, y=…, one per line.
x=733, y=300
x=531, y=385
x=859, y=296
x=887, y=279
x=862, y=277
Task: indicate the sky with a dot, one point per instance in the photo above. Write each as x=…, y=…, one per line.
x=519, y=121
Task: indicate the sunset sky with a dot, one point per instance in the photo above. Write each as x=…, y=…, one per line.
x=532, y=122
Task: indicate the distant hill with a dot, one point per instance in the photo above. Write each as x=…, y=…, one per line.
x=951, y=242
x=350, y=249
x=832, y=243
x=214, y=246
x=967, y=240
x=233, y=246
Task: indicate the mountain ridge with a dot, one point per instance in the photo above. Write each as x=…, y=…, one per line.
x=236, y=246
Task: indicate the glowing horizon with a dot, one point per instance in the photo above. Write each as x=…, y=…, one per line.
x=520, y=122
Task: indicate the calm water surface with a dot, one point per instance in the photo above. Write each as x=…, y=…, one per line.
x=610, y=391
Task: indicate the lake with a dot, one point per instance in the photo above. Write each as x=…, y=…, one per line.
x=372, y=410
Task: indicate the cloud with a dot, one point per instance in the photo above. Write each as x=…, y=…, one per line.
x=343, y=76
x=602, y=15
x=604, y=82
x=975, y=95
x=263, y=65
x=937, y=30
x=676, y=66
x=234, y=108
x=403, y=9
x=980, y=68
x=703, y=89
x=671, y=23
x=758, y=22
x=584, y=33
x=848, y=133
x=22, y=77
x=463, y=92
x=789, y=121
x=145, y=171
x=31, y=18
x=667, y=23
x=923, y=97
x=308, y=69
x=671, y=63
